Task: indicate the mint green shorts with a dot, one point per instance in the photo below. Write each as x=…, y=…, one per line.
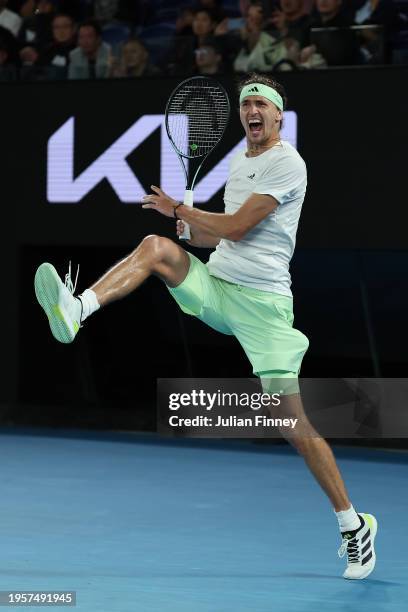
x=261, y=321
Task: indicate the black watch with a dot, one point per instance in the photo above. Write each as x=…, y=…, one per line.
x=175, y=208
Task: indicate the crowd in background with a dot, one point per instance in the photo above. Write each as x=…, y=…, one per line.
x=84, y=39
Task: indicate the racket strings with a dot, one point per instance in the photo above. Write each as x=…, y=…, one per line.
x=197, y=116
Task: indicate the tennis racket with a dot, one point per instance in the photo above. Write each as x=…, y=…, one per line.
x=197, y=114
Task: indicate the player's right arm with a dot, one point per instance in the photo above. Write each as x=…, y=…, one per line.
x=199, y=238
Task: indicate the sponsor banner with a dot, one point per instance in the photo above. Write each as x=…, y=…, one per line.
x=112, y=165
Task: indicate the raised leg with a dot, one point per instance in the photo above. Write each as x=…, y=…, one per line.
x=156, y=256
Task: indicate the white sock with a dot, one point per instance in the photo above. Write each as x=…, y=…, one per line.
x=89, y=303
x=348, y=519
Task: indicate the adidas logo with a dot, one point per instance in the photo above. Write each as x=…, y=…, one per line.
x=251, y=176
x=253, y=90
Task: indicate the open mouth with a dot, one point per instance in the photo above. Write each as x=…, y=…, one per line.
x=255, y=126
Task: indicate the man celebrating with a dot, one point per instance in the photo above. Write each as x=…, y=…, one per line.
x=243, y=290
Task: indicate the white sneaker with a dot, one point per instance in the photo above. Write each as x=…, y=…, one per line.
x=359, y=545
x=61, y=307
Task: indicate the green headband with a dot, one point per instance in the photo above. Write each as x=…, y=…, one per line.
x=257, y=89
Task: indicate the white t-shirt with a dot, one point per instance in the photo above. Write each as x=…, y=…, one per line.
x=261, y=259
x=11, y=21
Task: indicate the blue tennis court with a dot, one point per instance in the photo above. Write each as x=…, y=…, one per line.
x=135, y=523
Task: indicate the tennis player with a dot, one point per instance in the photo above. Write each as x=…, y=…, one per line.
x=243, y=290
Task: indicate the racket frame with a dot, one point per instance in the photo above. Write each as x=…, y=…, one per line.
x=188, y=199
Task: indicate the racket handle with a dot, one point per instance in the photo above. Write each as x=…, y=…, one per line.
x=188, y=201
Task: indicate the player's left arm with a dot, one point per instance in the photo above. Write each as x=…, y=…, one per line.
x=231, y=227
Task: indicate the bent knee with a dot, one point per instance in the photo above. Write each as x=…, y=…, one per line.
x=157, y=243
x=158, y=247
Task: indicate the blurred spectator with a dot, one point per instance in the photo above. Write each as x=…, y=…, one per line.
x=259, y=51
x=92, y=58
x=184, y=22
x=105, y=10
x=290, y=20
x=203, y=24
x=338, y=47
x=215, y=6
x=228, y=26
x=377, y=12
x=36, y=28
x=64, y=41
x=29, y=69
x=244, y=5
x=134, y=61
x=228, y=33
x=331, y=14
x=8, y=19
x=182, y=57
x=208, y=58
x=29, y=55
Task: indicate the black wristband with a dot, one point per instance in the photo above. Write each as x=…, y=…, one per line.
x=175, y=208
